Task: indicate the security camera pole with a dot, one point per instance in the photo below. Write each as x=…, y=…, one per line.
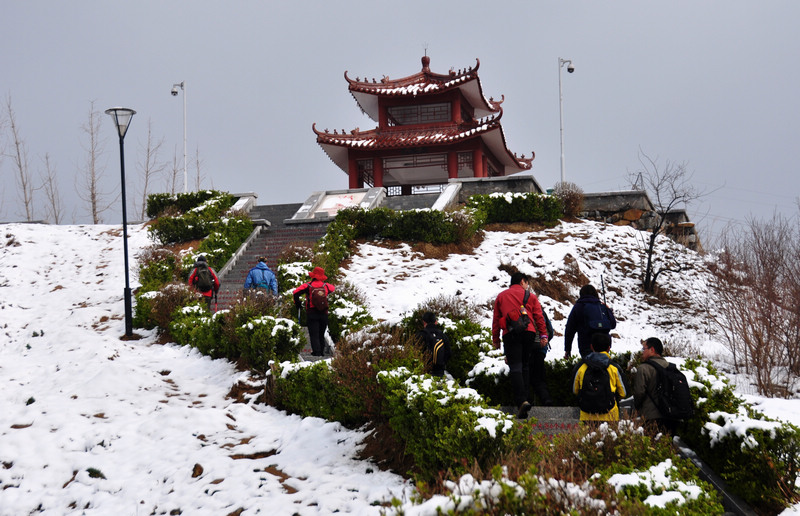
x=570, y=69
x=182, y=86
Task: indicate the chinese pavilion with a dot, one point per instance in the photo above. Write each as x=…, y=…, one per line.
x=431, y=128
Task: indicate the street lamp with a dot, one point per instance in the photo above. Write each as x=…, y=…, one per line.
x=122, y=119
x=182, y=86
x=570, y=69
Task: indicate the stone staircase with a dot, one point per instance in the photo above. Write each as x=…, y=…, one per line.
x=269, y=242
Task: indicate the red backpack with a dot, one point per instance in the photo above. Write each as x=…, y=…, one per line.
x=318, y=297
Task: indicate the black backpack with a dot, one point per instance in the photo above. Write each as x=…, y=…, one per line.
x=318, y=297
x=549, y=325
x=203, y=279
x=521, y=324
x=596, y=315
x=672, y=395
x=438, y=345
x=595, y=396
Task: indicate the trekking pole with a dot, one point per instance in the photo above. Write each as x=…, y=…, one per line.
x=603, y=285
x=216, y=303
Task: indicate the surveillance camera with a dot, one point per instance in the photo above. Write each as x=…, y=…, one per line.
x=174, y=91
x=570, y=68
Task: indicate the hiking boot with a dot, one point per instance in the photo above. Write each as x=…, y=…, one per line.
x=523, y=410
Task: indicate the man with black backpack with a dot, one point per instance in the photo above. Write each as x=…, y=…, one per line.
x=660, y=391
x=598, y=381
x=518, y=315
x=588, y=316
x=316, y=291
x=436, y=343
x=204, y=280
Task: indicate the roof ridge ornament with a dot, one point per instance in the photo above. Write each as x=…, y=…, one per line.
x=426, y=63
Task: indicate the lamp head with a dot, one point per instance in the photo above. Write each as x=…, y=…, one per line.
x=122, y=119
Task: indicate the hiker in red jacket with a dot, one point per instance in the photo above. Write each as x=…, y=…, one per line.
x=518, y=345
x=204, y=280
x=316, y=292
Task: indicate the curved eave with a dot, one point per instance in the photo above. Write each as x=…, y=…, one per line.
x=366, y=93
x=337, y=146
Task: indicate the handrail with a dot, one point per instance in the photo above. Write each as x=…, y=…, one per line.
x=231, y=263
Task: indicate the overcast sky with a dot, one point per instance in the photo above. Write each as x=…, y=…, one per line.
x=713, y=84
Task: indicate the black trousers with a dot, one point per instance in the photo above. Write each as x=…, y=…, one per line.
x=317, y=324
x=538, y=379
x=517, y=348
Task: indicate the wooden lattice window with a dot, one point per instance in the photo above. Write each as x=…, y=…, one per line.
x=419, y=114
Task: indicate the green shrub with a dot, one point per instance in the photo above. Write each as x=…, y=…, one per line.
x=157, y=204
x=347, y=311
x=311, y=390
x=413, y=226
x=460, y=322
x=194, y=220
x=489, y=376
x=225, y=238
x=352, y=391
x=240, y=334
x=726, y=433
x=517, y=207
x=268, y=338
x=155, y=309
x=443, y=426
x=157, y=267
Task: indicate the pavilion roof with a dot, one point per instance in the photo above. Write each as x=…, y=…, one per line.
x=337, y=144
x=423, y=83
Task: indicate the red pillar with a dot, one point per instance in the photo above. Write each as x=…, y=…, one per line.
x=477, y=163
x=377, y=171
x=452, y=165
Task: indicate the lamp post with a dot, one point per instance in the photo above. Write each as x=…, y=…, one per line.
x=122, y=119
x=182, y=86
x=570, y=69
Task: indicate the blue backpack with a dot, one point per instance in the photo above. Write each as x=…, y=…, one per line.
x=597, y=318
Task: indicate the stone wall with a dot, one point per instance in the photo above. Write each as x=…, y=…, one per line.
x=634, y=208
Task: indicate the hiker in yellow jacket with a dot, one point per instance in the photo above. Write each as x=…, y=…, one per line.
x=598, y=382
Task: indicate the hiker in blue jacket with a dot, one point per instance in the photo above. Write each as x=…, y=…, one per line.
x=588, y=316
x=261, y=277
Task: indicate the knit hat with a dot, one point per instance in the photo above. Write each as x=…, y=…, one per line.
x=318, y=273
x=201, y=258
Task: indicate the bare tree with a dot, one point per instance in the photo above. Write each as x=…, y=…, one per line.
x=197, y=163
x=90, y=174
x=19, y=156
x=53, y=206
x=175, y=173
x=150, y=167
x=669, y=188
x=756, y=291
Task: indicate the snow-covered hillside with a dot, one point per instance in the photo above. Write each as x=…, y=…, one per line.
x=91, y=424
x=396, y=280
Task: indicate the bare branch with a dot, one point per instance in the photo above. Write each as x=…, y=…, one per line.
x=150, y=167
x=669, y=188
x=19, y=156
x=54, y=206
x=91, y=172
